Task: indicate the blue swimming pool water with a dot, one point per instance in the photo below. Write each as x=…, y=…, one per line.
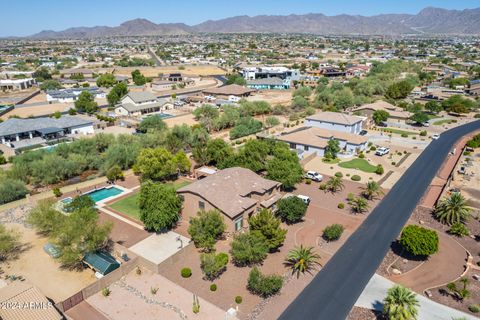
x=104, y=193
x=165, y=115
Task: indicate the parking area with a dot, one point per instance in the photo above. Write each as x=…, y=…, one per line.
x=159, y=247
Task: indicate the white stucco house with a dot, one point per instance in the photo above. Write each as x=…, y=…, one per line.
x=141, y=103
x=335, y=121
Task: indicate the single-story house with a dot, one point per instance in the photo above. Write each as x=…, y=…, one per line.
x=395, y=112
x=163, y=85
x=308, y=140
x=16, y=84
x=335, y=121
x=17, y=132
x=141, y=103
x=237, y=193
x=71, y=94
x=67, y=73
x=229, y=90
x=273, y=83
x=101, y=261
x=21, y=300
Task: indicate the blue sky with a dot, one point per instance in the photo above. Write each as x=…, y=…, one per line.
x=25, y=17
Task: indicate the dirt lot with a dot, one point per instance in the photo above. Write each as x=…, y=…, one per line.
x=43, y=271
x=201, y=70
x=273, y=97
x=322, y=211
x=36, y=111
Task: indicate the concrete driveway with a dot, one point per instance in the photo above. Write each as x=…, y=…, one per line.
x=161, y=246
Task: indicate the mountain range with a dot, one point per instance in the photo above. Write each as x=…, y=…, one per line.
x=434, y=21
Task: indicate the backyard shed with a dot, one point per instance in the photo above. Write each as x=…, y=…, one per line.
x=102, y=262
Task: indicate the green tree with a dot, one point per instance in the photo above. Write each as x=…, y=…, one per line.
x=42, y=74
x=263, y=285
x=291, y=209
x=332, y=149
x=9, y=243
x=249, y=248
x=379, y=116
x=106, y=80
x=371, y=190
x=159, y=206
x=117, y=93
x=286, y=170
x=206, y=115
x=151, y=124
x=115, y=173
x=302, y=259
x=213, y=265
x=335, y=184
x=138, y=78
x=206, y=228
x=45, y=218
x=433, y=107
x=80, y=202
x=218, y=150
x=266, y=222
x=236, y=79
x=452, y=210
x=399, y=90
x=400, y=304
x=155, y=164
x=86, y=103
x=419, y=117
x=11, y=189
x=50, y=85
x=419, y=241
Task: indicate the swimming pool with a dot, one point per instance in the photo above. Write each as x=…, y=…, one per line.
x=104, y=193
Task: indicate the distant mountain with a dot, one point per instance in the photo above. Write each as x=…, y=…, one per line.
x=429, y=20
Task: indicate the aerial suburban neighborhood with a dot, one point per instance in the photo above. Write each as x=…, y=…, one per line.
x=250, y=162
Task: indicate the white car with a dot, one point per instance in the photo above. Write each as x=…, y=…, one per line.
x=426, y=124
x=315, y=176
x=305, y=199
x=382, y=151
x=436, y=136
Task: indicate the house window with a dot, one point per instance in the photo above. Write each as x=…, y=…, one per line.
x=293, y=146
x=201, y=205
x=305, y=148
x=239, y=223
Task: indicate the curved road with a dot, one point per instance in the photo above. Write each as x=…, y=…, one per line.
x=334, y=290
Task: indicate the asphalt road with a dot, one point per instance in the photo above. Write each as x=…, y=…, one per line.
x=334, y=290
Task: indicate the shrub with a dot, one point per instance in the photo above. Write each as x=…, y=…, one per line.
x=249, y=248
x=373, y=148
x=213, y=287
x=238, y=299
x=206, y=228
x=419, y=241
x=356, y=178
x=291, y=209
x=333, y=232
x=213, y=264
x=263, y=285
x=308, y=181
x=186, y=273
x=269, y=225
x=459, y=229
x=348, y=174
x=361, y=156
x=475, y=308
x=138, y=271
x=338, y=174
x=379, y=169
x=423, y=133
x=350, y=196
x=404, y=135
x=153, y=290
x=56, y=192
x=341, y=205
x=106, y=292
x=393, y=163
x=323, y=186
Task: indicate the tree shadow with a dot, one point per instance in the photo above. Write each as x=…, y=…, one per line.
x=404, y=254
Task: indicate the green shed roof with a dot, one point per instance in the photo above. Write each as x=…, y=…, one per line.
x=101, y=261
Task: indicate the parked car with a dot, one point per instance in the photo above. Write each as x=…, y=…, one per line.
x=383, y=124
x=305, y=199
x=426, y=124
x=363, y=132
x=382, y=151
x=436, y=136
x=315, y=176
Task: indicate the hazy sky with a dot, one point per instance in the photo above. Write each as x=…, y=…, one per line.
x=25, y=17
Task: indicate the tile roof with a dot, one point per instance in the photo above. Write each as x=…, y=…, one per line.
x=317, y=137
x=141, y=96
x=335, y=117
x=130, y=107
x=383, y=105
x=228, y=189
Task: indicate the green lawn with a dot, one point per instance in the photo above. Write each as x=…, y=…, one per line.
x=360, y=164
x=398, y=131
x=442, y=122
x=129, y=205
x=331, y=161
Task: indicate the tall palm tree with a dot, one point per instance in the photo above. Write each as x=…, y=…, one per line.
x=371, y=190
x=452, y=210
x=359, y=204
x=335, y=184
x=302, y=259
x=400, y=304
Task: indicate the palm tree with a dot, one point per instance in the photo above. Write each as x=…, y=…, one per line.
x=359, y=205
x=400, y=304
x=452, y=210
x=371, y=190
x=302, y=259
x=335, y=184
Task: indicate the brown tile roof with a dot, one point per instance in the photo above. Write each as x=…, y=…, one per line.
x=24, y=301
x=317, y=137
x=228, y=189
x=232, y=89
x=383, y=105
x=335, y=117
